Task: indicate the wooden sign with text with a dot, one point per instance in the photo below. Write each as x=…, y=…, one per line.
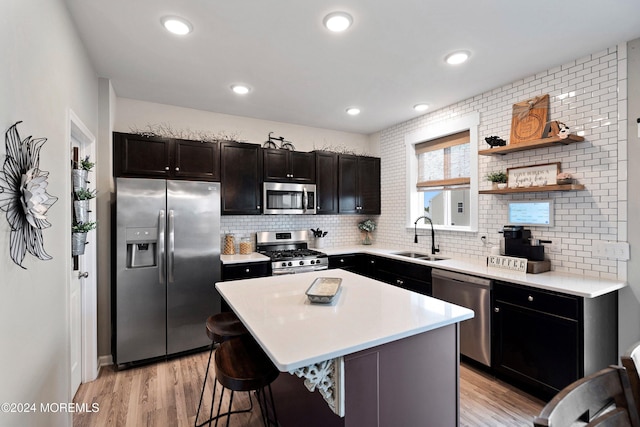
x=518, y=265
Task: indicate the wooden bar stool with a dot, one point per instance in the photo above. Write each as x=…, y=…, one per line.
x=241, y=365
x=220, y=328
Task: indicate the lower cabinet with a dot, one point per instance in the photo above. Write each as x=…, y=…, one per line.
x=546, y=340
x=248, y=270
x=406, y=275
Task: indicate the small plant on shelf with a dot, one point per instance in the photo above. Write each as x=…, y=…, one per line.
x=497, y=177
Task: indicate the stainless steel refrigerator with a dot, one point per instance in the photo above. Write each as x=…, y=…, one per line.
x=167, y=259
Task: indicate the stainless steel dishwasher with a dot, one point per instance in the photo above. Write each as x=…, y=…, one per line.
x=474, y=293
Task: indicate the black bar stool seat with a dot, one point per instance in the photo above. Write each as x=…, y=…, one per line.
x=223, y=326
x=241, y=365
x=220, y=327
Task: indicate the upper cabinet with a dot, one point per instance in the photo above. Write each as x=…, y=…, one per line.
x=241, y=173
x=157, y=157
x=289, y=166
x=326, y=182
x=359, y=184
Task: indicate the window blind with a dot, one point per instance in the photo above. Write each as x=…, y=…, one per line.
x=444, y=162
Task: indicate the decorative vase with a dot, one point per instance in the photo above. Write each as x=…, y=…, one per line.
x=367, y=238
x=81, y=210
x=79, y=179
x=78, y=242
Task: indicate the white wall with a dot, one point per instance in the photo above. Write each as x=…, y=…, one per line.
x=630, y=297
x=44, y=72
x=132, y=114
x=584, y=95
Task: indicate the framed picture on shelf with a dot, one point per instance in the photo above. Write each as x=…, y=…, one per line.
x=533, y=176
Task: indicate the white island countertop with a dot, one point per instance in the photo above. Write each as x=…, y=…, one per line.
x=366, y=313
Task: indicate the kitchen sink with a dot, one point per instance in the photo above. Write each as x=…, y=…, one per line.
x=419, y=255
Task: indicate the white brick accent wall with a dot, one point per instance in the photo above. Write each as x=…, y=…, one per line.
x=587, y=94
x=583, y=95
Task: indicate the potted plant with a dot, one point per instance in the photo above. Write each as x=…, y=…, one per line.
x=499, y=179
x=81, y=172
x=367, y=226
x=79, y=236
x=81, y=204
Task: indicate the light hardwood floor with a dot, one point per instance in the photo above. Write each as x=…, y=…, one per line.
x=166, y=394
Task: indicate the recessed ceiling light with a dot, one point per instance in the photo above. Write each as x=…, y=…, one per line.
x=420, y=107
x=457, y=58
x=337, y=21
x=177, y=25
x=240, y=89
x=353, y=111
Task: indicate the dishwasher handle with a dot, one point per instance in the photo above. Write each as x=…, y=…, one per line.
x=459, y=277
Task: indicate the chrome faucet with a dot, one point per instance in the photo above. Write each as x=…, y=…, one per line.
x=434, y=249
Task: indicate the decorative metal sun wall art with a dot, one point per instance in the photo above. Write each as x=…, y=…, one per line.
x=23, y=195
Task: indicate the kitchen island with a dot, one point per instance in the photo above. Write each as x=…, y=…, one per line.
x=380, y=355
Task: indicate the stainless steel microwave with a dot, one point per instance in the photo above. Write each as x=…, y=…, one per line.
x=289, y=198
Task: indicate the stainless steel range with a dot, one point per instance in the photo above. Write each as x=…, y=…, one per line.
x=289, y=252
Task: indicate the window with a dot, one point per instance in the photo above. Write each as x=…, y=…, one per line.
x=442, y=174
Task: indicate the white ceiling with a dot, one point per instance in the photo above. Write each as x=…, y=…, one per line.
x=389, y=60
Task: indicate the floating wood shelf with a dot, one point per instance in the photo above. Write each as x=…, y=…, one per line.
x=565, y=187
x=530, y=145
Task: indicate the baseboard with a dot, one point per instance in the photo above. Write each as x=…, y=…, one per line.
x=105, y=361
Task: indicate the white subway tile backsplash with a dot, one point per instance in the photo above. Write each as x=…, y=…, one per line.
x=584, y=95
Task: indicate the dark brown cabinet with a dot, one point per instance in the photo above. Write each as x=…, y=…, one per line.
x=289, y=166
x=241, y=173
x=359, y=184
x=406, y=275
x=326, y=182
x=248, y=270
x=546, y=340
x=157, y=157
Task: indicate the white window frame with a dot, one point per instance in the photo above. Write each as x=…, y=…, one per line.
x=415, y=198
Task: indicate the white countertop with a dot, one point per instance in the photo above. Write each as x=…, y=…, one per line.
x=366, y=313
x=582, y=286
x=239, y=259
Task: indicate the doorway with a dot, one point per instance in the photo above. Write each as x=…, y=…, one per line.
x=83, y=277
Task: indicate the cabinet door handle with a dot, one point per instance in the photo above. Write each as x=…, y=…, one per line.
x=399, y=282
x=166, y=168
x=258, y=207
x=248, y=270
x=529, y=298
x=497, y=309
x=372, y=261
x=342, y=260
x=177, y=169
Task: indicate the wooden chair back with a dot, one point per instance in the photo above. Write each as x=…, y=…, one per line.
x=631, y=362
x=588, y=397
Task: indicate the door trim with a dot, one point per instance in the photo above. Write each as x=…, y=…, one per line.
x=77, y=131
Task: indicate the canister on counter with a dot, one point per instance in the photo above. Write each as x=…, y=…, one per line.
x=229, y=245
x=245, y=246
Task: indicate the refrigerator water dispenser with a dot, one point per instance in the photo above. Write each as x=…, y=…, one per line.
x=142, y=245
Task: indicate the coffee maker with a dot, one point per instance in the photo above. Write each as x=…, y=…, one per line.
x=518, y=243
